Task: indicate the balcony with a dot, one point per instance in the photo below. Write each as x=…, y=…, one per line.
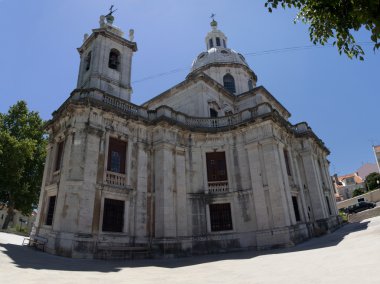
x=116, y=179
x=218, y=186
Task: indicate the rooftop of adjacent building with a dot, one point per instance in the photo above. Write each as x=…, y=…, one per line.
x=355, y=178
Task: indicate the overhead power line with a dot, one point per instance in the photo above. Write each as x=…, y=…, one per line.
x=256, y=53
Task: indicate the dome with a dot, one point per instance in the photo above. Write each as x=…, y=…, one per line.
x=218, y=55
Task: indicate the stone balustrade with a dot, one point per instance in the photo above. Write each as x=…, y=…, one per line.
x=218, y=186
x=116, y=179
x=167, y=113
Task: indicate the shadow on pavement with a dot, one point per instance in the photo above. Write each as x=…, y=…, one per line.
x=328, y=240
x=26, y=257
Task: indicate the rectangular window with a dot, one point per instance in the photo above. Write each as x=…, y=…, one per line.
x=220, y=217
x=113, y=215
x=296, y=209
x=50, y=211
x=58, y=157
x=224, y=43
x=216, y=166
x=116, y=156
x=287, y=162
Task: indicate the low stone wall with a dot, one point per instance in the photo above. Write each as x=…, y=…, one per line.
x=358, y=217
x=372, y=196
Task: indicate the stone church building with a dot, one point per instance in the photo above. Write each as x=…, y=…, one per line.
x=210, y=165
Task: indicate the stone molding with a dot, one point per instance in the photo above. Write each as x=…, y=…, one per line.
x=264, y=111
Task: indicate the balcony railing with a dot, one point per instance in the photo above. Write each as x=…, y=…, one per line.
x=116, y=179
x=194, y=123
x=218, y=186
x=167, y=113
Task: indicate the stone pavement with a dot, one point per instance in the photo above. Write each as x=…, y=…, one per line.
x=349, y=255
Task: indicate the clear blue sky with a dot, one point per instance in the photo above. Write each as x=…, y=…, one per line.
x=338, y=97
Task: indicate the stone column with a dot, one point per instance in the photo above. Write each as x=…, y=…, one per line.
x=277, y=188
x=165, y=223
x=141, y=191
x=125, y=88
x=61, y=190
x=264, y=218
x=288, y=205
x=299, y=181
x=46, y=176
x=180, y=190
x=314, y=186
x=330, y=186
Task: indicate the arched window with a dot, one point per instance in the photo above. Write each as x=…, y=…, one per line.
x=224, y=43
x=229, y=83
x=88, y=61
x=210, y=43
x=213, y=113
x=217, y=41
x=250, y=85
x=114, y=59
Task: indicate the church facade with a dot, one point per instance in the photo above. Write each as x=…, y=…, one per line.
x=210, y=165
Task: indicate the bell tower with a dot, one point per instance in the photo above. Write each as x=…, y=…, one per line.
x=106, y=59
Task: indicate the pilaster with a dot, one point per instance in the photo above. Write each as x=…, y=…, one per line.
x=164, y=179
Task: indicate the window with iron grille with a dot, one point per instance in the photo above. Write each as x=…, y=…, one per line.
x=116, y=156
x=220, y=217
x=50, y=211
x=113, y=215
x=216, y=166
x=229, y=83
x=58, y=157
x=296, y=209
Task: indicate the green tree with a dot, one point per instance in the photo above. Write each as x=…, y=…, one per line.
x=22, y=156
x=358, y=191
x=371, y=181
x=336, y=19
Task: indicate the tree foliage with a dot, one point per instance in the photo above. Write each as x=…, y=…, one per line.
x=336, y=19
x=358, y=191
x=371, y=181
x=22, y=156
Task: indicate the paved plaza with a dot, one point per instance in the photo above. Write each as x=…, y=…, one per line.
x=349, y=255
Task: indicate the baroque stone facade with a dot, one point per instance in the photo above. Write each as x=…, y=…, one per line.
x=210, y=165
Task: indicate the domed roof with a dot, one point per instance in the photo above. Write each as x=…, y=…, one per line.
x=218, y=55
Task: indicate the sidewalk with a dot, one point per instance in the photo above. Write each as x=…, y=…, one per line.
x=349, y=255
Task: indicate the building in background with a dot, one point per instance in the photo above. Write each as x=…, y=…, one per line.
x=346, y=185
x=366, y=169
x=19, y=221
x=210, y=165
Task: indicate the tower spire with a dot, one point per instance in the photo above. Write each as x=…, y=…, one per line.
x=215, y=38
x=213, y=24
